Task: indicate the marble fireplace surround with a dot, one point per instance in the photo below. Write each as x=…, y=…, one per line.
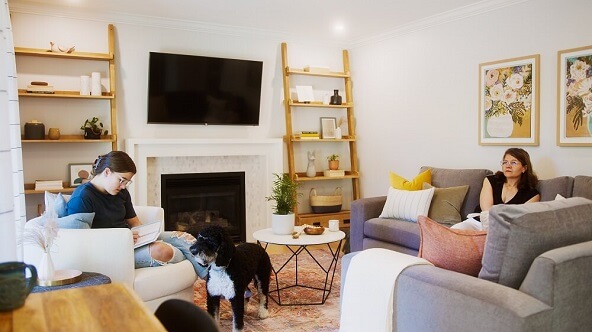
x=258, y=158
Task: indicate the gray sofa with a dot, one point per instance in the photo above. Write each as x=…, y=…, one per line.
x=542, y=273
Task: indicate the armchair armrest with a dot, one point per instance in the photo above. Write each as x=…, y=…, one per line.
x=429, y=298
x=362, y=210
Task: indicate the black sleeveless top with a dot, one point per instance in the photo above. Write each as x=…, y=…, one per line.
x=497, y=184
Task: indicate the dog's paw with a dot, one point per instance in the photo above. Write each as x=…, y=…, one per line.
x=263, y=313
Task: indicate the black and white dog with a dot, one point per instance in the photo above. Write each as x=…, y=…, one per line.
x=231, y=270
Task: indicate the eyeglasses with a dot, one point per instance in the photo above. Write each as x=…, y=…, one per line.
x=512, y=163
x=124, y=181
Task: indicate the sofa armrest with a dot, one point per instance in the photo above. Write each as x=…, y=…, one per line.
x=109, y=251
x=429, y=298
x=362, y=210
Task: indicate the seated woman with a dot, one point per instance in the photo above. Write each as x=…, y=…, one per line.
x=514, y=184
x=107, y=196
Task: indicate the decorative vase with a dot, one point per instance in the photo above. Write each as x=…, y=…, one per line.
x=500, y=126
x=338, y=133
x=46, y=270
x=53, y=133
x=333, y=164
x=335, y=98
x=311, y=170
x=282, y=224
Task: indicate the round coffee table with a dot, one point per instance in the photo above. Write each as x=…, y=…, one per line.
x=297, y=247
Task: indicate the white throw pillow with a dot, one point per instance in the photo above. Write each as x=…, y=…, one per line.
x=407, y=205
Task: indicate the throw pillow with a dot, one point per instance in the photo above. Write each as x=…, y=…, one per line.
x=407, y=205
x=520, y=233
x=58, y=201
x=457, y=250
x=399, y=182
x=74, y=221
x=447, y=203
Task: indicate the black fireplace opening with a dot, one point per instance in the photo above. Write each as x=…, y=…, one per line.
x=196, y=200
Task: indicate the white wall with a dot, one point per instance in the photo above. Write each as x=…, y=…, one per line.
x=417, y=94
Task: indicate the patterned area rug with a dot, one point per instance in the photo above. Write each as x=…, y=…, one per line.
x=324, y=317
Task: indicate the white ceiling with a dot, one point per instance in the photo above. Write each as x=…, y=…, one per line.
x=360, y=19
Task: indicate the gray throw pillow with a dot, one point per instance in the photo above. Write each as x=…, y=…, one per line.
x=519, y=233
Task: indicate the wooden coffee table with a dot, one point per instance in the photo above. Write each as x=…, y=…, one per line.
x=299, y=246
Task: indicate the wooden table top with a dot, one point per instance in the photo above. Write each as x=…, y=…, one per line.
x=109, y=307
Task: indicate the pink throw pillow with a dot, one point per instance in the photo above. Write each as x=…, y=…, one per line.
x=457, y=250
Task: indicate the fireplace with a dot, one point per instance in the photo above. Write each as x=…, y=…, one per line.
x=196, y=200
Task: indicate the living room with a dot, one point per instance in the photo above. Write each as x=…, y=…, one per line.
x=392, y=71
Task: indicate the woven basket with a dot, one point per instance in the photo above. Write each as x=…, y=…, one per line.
x=325, y=204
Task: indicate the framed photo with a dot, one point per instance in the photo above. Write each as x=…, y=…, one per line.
x=305, y=93
x=79, y=174
x=328, y=127
x=509, y=101
x=574, y=97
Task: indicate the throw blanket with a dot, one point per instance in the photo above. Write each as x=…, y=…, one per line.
x=368, y=293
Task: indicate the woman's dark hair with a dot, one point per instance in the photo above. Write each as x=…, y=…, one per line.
x=528, y=179
x=117, y=161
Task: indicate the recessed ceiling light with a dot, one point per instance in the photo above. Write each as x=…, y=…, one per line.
x=339, y=27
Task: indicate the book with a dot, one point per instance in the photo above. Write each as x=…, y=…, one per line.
x=147, y=233
x=40, y=88
x=334, y=173
x=48, y=184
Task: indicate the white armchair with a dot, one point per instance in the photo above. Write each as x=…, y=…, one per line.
x=110, y=251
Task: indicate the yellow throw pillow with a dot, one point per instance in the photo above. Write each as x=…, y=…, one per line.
x=398, y=182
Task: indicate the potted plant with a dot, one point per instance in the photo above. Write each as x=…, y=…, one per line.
x=333, y=161
x=93, y=129
x=285, y=194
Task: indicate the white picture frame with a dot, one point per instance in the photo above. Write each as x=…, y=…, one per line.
x=328, y=125
x=304, y=93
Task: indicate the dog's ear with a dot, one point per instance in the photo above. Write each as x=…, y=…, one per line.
x=226, y=250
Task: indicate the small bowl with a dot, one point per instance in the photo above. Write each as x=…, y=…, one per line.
x=314, y=230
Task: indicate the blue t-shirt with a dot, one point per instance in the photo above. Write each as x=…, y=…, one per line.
x=110, y=211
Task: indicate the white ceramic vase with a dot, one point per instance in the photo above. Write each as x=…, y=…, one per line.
x=45, y=270
x=282, y=224
x=500, y=126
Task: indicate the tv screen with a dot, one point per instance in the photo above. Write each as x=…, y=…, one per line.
x=190, y=89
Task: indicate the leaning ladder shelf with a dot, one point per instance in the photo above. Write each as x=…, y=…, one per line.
x=290, y=107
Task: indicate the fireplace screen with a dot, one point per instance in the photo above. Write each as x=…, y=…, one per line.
x=194, y=201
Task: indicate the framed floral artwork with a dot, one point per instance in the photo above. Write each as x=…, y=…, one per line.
x=574, y=97
x=509, y=101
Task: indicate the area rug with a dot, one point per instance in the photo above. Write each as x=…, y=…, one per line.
x=323, y=317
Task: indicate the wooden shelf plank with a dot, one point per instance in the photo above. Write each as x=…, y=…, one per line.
x=63, y=94
x=295, y=71
x=74, y=55
x=343, y=139
x=323, y=218
x=30, y=189
x=70, y=139
x=301, y=177
x=319, y=104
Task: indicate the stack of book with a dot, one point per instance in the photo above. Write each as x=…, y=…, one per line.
x=40, y=87
x=308, y=135
x=49, y=185
x=334, y=173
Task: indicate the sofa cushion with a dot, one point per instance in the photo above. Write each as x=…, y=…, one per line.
x=550, y=188
x=582, y=186
x=447, y=177
x=457, y=250
x=58, y=201
x=399, y=182
x=407, y=205
x=446, y=204
x=520, y=233
x=401, y=232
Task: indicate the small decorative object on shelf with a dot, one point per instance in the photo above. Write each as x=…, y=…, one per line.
x=34, y=130
x=333, y=161
x=326, y=204
x=93, y=129
x=336, y=98
x=60, y=49
x=40, y=87
x=85, y=85
x=53, y=133
x=311, y=171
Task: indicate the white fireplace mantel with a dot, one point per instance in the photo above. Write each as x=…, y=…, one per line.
x=140, y=149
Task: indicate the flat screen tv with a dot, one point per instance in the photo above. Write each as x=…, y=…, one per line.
x=191, y=89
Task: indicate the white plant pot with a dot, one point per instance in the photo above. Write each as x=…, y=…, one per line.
x=282, y=224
